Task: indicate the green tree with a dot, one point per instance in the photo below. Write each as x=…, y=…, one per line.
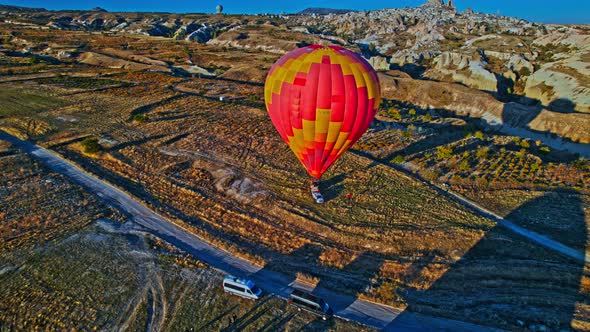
x=482, y=153
x=399, y=159
x=91, y=145
x=478, y=134
x=464, y=165
x=525, y=144
x=427, y=117
x=394, y=113
x=544, y=149
x=189, y=53
x=444, y=152
x=139, y=118
x=412, y=112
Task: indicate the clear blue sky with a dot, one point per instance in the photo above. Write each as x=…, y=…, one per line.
x=549, y=11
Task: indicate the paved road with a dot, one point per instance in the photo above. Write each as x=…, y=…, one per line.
x=542, y=240
x=347, y=307
x=535, y=237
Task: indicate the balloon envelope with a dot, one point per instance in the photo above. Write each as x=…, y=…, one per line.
x=321, y=100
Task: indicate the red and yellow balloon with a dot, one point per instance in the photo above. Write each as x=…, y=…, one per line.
x=321, y=100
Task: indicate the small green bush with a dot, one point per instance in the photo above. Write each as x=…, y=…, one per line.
x=139, y=118
x=444, y=152
x=91, y=145
x=399, y=159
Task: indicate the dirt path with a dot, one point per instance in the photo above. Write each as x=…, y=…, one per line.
x=345, y=306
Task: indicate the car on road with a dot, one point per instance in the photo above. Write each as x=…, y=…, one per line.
x=241, y=287
x=317, y=196
x=303, y=300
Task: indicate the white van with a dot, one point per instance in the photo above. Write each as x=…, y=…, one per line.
x=241, y=287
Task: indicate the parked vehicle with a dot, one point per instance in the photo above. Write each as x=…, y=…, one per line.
x=317, y=196
x=241, y=287
x=306, y=301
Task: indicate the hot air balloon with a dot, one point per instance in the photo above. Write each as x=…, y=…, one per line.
x=321, y=100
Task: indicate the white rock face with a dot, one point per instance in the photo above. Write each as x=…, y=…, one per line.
x=566, y=80
x=516, y=63
x=201, y=35
x=64, y=54
x=379, y=63
x=465, y=69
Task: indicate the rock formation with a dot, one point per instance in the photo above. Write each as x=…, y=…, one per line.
x=435, y=3
x=467, y=69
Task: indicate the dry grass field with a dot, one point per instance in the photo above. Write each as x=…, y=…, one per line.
x=64, y=266
x=220, y=169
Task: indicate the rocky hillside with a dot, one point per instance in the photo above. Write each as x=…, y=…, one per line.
x=545, y=67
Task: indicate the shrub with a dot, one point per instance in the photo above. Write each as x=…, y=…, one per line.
x=482, y=153
x=444, y=152
x=524, y=71
x=427, y=117
x=525, y=144
x=412, y=112
x=394, y=113
x=478, y=134
x=139, y=118
x=464, y=165
x=91, y=145
x=399, y=159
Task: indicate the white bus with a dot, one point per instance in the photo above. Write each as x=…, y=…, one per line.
x=241, y=287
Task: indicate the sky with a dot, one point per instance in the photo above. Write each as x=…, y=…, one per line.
x=545, y=11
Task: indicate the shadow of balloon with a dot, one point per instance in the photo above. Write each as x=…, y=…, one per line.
x=562, y=105
x=508, y=281
x=332, y=187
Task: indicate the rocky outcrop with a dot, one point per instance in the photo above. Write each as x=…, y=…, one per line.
x=379, y=63
x=201, y=35
x=563, y=85
x=101, y=60
x=527, y=121
x=518, y=64
x=435, y=3
x=467, y=69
